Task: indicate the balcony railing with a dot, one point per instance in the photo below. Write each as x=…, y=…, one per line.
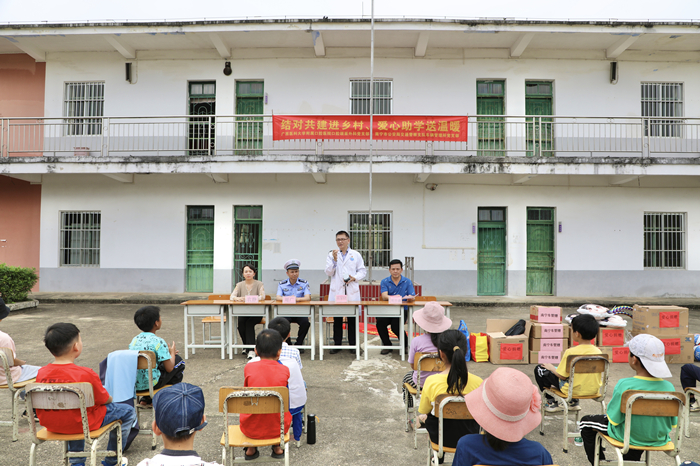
x=251, y=135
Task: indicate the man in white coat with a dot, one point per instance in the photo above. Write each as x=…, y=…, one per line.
x=346, y=268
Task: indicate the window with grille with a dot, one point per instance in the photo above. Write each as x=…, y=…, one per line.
x=664, y=240
x=82, y=101
x=662, y=100
x=381, y=234
x=80, y=239
x=359, y=96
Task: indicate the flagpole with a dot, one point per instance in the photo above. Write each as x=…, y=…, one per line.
x=371, y=141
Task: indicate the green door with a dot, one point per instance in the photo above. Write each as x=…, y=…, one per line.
x=491, y=265
x=540, y=251
x=490, y=101
x=249, y=130
x=538, y=101
x=202, y=133
x=247, y=239
x=200, y=249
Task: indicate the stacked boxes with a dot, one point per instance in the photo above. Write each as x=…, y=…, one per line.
x=670, y=325
x=507, y=349
x=549, y=337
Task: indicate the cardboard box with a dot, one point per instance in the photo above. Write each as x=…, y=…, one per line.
x=616, y=354
x=503, y=349
x=679, y=349
x=549, y=344
x=538, y=330
x=544, y=357
x=546, y=314
x=660, y=320
x=612, y=336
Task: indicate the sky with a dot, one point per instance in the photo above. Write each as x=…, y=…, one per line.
x=37, y=11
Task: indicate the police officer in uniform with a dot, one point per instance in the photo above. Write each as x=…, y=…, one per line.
x=295, y=286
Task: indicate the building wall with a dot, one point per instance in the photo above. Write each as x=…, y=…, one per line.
x=22, y=90
x=598, y=253
x=20, y=208
x=21, y=95
x=321, y=86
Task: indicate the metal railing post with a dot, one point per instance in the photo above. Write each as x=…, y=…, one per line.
x=2, y=137
x=104, y=140
x=539, y=134
x=646, y=136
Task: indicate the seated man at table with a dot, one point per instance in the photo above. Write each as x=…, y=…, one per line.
x=394, y=285
x=295, y=286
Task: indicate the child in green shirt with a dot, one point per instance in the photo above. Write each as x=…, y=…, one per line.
x=646, y=357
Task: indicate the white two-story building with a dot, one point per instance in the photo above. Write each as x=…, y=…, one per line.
x=156, y=169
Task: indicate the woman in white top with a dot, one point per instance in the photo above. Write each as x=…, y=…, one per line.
x=248, y=287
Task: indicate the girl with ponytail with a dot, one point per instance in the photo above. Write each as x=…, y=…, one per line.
x=454, y=380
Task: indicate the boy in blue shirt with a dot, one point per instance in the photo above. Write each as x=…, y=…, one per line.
x=394, y=285
x=170, y=364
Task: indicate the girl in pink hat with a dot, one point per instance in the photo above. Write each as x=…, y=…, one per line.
x=507, y=407
x=454, y=380
x=431, y=319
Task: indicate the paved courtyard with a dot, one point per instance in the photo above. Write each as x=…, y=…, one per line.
x=358, y=403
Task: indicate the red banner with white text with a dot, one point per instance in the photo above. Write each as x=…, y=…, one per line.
x=386, y=127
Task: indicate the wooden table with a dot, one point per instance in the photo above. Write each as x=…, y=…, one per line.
x=338, y=310
x=299, y=309
x=205, y=308
x=238, y=309
x=384, y=309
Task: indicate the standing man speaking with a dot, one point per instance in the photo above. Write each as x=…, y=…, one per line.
x=346, y=268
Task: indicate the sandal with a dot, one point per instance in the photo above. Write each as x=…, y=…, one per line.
x=277, y=456
x=146, y=401
x=251, y=457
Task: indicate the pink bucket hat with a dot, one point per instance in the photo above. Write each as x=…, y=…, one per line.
x=432, y=318
x=504, y=406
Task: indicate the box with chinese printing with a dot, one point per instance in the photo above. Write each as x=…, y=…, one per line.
x=612, y=336
x=538, y=330
x=549, y=344
x=545, y=314
x=544, y=357
x=679, y=349
x=619, y=354
x=507, y=349
x=572, y=343
x=660, y=320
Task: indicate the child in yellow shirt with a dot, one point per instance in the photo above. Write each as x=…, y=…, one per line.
x=585, y=329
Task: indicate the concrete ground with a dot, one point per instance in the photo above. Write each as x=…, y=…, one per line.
x=358, y=403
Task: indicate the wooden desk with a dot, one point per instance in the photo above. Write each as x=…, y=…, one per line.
x=300, y=309
x=336, y=310
x=242, y=309
x=384, y=309
x=415, y=305
x=205, y=308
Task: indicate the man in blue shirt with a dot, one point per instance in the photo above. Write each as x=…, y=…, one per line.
x=295, y=286
x=394, y=285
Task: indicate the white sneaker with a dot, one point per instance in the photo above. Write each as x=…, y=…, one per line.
x=251, y=354
x=552, y=406
x=695, y=406
x=125, y=461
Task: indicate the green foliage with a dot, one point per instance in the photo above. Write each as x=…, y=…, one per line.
x=16, y=282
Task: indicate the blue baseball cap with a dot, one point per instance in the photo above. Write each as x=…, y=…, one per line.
x=179, y=409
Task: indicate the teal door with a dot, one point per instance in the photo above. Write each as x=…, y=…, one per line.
x=490, y=101
x=538, y=102
x=247, y=246
x=540, y=251
x=249, y=130
x=200, y=249
x=202, y=132
x=491, y=264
